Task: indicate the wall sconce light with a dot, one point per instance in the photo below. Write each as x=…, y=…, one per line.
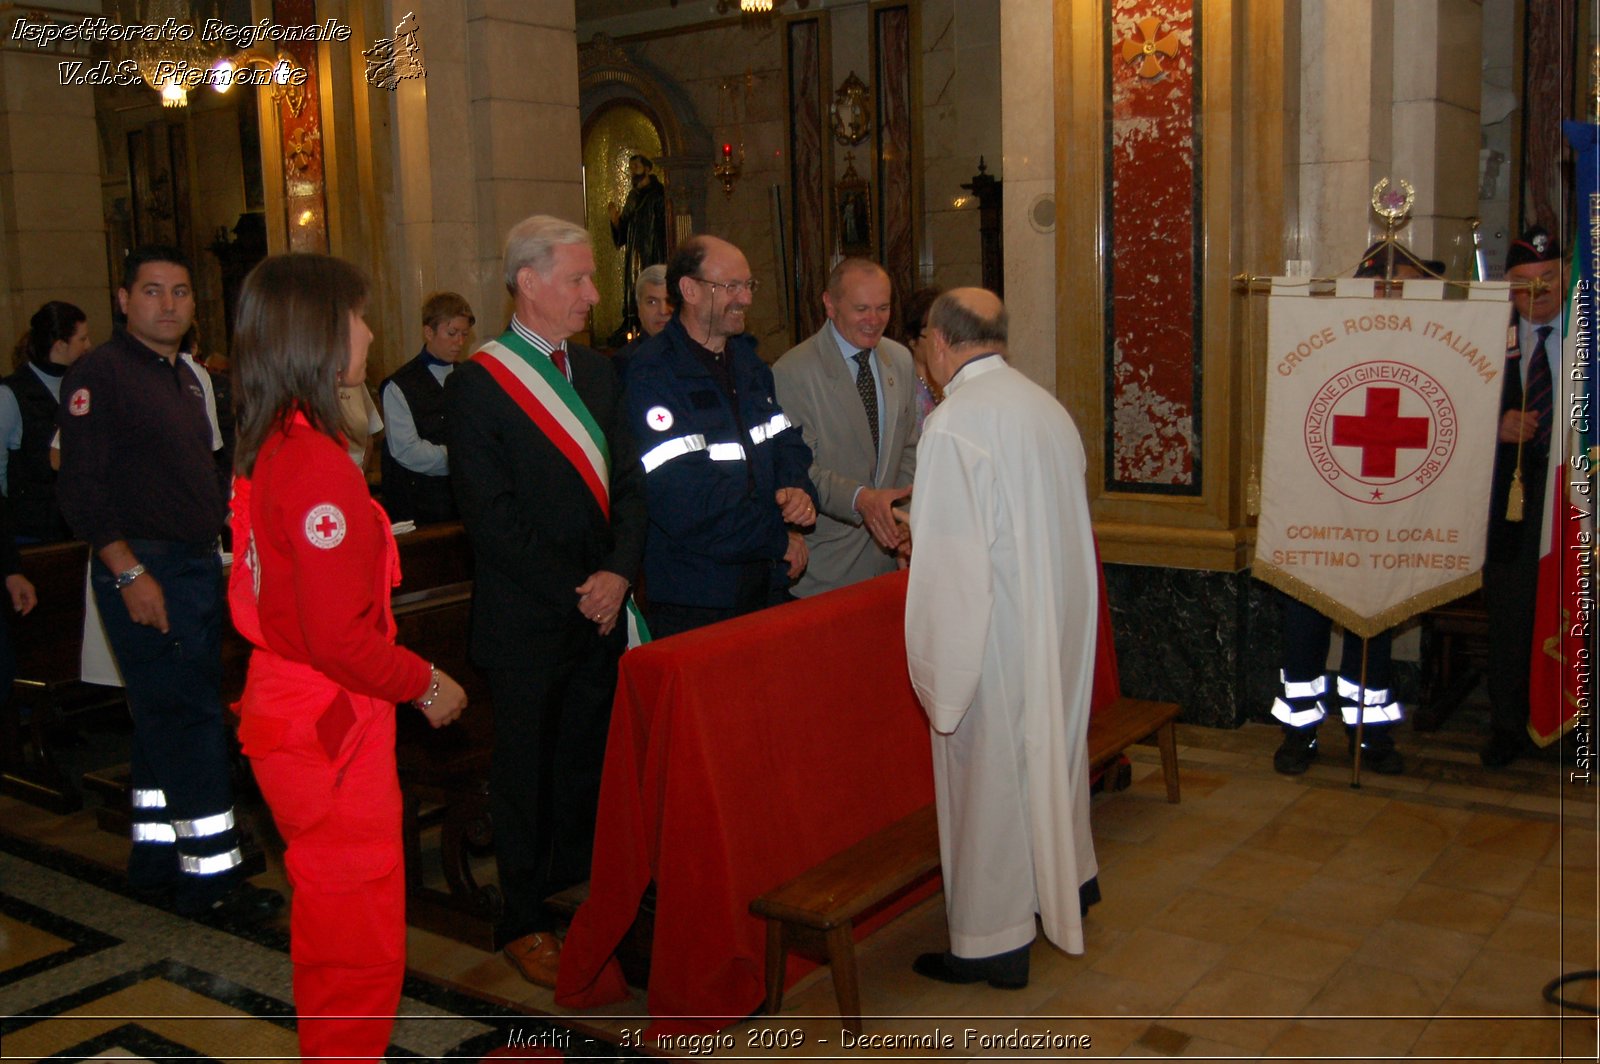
x=286, y=78
x=727, y=167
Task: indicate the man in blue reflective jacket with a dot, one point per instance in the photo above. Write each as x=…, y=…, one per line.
x=726, y=482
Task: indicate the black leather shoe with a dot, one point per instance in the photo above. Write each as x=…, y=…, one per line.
x=1377, y=749
x=1502, y=749
x=1298, y=749
x=1003, y=971
x=246, y=905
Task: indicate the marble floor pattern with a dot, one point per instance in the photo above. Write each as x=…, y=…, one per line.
x=1262, y=918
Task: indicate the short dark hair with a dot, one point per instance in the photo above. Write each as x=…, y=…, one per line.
x=291, y=339
x=961, y=326
x=445, y=306
x=643, y=160
x=915, y=312
x=52, y=323
x=152, y=253
x=685, y=262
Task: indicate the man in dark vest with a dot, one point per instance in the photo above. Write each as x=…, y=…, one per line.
x=416, y=463
x=57, y=336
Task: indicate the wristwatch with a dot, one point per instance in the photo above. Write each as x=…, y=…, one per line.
x=128, y=576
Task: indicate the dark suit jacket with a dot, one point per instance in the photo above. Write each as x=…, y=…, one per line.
x=1511, y=541
x=536, y=530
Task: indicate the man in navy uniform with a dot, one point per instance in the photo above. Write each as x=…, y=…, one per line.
x=725, y=470
x=140, y=483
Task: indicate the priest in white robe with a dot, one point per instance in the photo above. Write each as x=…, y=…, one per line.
x=1000, y=630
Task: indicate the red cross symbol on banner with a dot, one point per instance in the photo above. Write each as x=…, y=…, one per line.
x=1380, y=432
x=327, y=526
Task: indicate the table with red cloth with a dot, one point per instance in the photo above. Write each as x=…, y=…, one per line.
x=739, y=756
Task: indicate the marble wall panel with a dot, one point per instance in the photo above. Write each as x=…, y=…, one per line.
x=807, y=159
x=1153, y=325
x=896, y=162
x=1212, y=642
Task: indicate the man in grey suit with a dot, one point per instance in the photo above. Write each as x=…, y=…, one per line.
x=853, y=393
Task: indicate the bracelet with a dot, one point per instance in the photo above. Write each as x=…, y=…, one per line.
x=433, y=689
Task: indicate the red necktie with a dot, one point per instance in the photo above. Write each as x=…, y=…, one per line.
x=558, y=355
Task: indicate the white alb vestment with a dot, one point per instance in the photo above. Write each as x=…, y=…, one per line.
x=1000, y=629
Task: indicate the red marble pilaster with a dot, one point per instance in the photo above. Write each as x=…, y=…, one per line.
x=1153, y=317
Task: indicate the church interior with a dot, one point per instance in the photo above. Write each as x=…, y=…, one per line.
x=1118, y=171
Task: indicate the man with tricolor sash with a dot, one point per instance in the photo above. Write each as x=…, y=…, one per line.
x=549, y=487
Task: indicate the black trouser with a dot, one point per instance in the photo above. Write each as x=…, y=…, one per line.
x=1510, y=591
x=1305, y=648
x=550, y=724
x=183, y=833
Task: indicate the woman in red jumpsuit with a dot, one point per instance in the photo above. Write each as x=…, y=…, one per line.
x=314, y=562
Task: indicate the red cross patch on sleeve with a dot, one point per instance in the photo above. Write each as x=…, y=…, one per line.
x=325, y=526
x=79, y=403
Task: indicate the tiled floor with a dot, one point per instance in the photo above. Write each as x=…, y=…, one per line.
x=1261, y=918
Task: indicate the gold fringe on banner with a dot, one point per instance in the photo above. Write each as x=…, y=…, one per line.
x=1350, y=621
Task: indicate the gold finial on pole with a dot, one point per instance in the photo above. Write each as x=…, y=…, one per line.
x=1393, y=205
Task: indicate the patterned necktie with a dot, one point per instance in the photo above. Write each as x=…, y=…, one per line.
x=1537, y=399
x=558, y=355
x=869, y=392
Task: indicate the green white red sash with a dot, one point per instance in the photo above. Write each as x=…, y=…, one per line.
x=543, y=393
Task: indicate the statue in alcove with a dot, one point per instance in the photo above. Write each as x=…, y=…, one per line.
x=639, y=228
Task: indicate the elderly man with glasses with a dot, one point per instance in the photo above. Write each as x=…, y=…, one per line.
x=726, y=482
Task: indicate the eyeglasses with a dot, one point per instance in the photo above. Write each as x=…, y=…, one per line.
x=731, y=286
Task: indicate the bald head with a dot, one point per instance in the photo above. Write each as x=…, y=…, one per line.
x=964, y=323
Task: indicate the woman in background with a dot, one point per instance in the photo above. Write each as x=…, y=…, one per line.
x=315, y=563
x=914, y=327
x=57, y=336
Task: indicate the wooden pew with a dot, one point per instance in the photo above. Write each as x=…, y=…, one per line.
x=47, y=643
x=443, y=774
x=815, y=912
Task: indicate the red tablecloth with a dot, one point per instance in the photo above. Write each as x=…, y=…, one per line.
x=739, y=756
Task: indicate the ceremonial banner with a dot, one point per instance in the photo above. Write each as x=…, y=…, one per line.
x=1379, y=446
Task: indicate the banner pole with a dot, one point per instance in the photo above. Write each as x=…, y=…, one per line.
x=1361, y=718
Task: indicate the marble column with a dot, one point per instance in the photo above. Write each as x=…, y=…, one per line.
x=526, y=150
x=487, y=137
x=1389, y=89
x=959, y=121
x=1027, y=136
x=52, y=235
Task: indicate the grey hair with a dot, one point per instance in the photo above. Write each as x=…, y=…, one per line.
x=656, y=274
x=961, y=325
x=532, y=242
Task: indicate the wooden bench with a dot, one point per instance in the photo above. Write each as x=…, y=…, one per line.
x=1455, y=654
x=817, y=910
x=46, y=689
x=1129, y=721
